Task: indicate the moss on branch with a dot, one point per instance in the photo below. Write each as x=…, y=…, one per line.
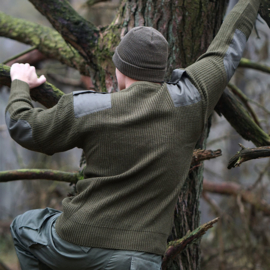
x=46, y=94
x=241, y=121
x=74, y=29
x=28, y=174
x=46, y=40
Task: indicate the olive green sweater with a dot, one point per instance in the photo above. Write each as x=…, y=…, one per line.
x=138, y=143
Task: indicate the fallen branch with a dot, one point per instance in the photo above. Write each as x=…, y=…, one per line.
x=234, y=189
x=246, y=154
x=174, y=248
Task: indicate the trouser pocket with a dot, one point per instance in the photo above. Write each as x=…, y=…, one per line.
x=31, y=227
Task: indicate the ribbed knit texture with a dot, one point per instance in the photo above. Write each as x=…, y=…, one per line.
x=142, y=54
x=138, y=152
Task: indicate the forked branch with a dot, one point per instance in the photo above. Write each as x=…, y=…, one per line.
x=246, y=154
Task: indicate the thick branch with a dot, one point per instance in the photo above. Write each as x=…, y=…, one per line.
x=75, y=30
x=45, y=39
x=236, y=190
x=237, y=116
x=6, y=176
x=46, y=94
x=30, y=174
x=246, y=154
x=246, y=63
x=176, y=247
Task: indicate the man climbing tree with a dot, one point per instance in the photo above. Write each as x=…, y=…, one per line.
x=122, y=214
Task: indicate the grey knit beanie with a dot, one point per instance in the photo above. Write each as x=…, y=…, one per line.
x=142, y=54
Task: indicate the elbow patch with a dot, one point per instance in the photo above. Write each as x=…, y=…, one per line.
x=20, y=131
x=234, y=53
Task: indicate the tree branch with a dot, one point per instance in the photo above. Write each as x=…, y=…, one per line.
x=237, y=116
x=75, y=30
x=90, y=3
x=234, y=189
x=6, y=176
x=246, y=63
x=246, y=154
x=45, y=39
x=46, y=94
x=176, y=247
x=30, y=174
x=201, y=155
x=245, y=101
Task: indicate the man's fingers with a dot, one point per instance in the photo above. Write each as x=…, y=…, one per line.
x=41, y=79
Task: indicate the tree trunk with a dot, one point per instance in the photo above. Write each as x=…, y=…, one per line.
x=189, y=27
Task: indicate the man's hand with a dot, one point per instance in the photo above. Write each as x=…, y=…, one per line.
x=26, y=73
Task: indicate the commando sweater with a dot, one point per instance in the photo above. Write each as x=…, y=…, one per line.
x=138, y=143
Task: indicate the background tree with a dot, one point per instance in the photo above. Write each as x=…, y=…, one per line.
x=189, y=28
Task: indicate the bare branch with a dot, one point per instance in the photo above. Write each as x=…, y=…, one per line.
x=46, y=94
x=30, y=174
x=201, y=155
x=45, y=39
x=90, y=3
x=234, y=189
x=237, y=116
x=245, y=101
x=246, y=154
x=246, y=63
x=176, y=247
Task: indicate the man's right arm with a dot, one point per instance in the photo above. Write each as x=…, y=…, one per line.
x=214, y=69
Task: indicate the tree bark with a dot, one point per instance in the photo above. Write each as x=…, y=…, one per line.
x=46, y=40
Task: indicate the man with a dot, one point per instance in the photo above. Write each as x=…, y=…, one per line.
x=138, y=145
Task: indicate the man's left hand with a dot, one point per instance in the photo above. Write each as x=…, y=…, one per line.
x=26, y=73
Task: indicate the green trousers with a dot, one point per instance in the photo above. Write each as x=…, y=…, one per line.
x=39, y=247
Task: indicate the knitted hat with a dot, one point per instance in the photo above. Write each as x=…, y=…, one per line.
x=142, y=54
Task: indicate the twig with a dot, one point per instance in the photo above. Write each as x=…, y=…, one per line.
x=20, y=54
x=245, y=100
x=246, y=63
x=246, y=154
x=174, y=248
x=234, y=189
x=261, y=174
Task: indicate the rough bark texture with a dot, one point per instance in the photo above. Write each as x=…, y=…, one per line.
x=46, y=94
x=46, y=40
x=237, y=116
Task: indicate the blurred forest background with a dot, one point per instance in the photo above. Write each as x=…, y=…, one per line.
x=240, y=240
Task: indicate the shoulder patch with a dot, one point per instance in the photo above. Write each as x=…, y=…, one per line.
x=181, y=90
x=87, y=102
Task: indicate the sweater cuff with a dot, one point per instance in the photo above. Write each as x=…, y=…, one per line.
x=21, y=87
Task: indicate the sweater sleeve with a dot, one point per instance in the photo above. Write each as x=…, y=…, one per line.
x=47, y=131
x=214, y=69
